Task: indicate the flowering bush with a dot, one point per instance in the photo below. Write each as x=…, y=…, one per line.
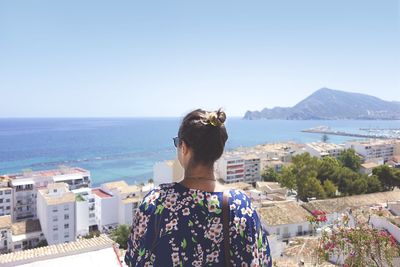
x=317, y=217
x=359, y=246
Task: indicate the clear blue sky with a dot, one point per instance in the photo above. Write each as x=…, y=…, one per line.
x=164, y=58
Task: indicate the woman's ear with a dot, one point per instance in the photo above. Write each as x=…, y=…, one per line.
x=184, y=148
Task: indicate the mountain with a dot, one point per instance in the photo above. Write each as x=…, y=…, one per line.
x=329, y=104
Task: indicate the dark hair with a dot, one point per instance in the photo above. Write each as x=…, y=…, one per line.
x=205, y=133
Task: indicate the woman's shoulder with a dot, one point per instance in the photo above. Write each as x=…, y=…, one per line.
x=157, y=192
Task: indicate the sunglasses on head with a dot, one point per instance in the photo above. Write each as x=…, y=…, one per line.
x=176, y=141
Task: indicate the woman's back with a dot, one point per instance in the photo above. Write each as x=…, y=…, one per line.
x=178, y=226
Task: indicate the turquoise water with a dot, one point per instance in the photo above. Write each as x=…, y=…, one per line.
x=127, y=148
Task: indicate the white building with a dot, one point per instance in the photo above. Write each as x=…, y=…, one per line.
x=106, y=209
x=285, y=219
x=367, y=167
x=56, y=212
x=85, y=211
x=24, y=187
x=26, y=234
x=235, y=167
x=167, y=171
x=6, y=201
x=256, y=195
x=252, y=168
x=271, y=188
x=5, y=234
x=273, y=163
x=320, y=149
x=97, y=251
x=394, y=207
x=127, y=198
x=374, y=148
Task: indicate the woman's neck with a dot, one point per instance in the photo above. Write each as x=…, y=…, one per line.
x=202, y=178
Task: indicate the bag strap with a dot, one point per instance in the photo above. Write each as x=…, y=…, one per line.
x=225, y=222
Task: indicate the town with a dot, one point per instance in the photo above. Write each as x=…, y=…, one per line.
x=51, y=214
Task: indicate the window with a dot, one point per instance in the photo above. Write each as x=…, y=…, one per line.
x=66, y=216
x=91, y=215
x=17, y=246
x=55, y=227
x=66, y=226
x=55, y=209
x=8, y=207
x=66, y=235
x=66, y=207
x=1, y=200
x=7, y=200
x=55, y=218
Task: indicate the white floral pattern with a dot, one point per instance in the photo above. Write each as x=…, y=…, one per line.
x=177, y=226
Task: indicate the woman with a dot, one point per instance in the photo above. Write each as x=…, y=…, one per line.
x=181, y=224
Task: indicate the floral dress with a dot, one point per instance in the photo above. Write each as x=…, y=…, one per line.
x=178, y=226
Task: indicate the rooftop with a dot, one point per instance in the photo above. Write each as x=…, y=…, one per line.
x=114, y=185
x=97, y=251
x=57, y=198
x=371, y=142
x=5, y=221
x=283, y=213
x=341, y=203
x=129, y=189
x=323, y=147
x=239, y=185
x=271, y=185
x=4, y=188
x=100, y=193
x=49, y=173
x=132, y=200
x=369, y=165
x=26, y=227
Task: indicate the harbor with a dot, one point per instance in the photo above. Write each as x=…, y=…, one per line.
x=376, y=133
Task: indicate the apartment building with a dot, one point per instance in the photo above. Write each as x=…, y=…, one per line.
x=252, y=168
x=167, y=171
x=374, y=148
x=5, y=234
x=6, y=201
x=231, y=169
x=25, y=185
x=26, y=234
x=321, y=149
x=127, y=198
x=56, y=213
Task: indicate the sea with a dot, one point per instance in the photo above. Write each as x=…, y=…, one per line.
x=127, y=148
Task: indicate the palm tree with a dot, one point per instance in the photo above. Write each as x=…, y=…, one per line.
x=121, y=235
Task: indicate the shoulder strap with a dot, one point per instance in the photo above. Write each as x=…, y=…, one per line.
x=225, y=222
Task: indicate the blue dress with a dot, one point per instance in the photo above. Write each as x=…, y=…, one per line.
x=178, y=226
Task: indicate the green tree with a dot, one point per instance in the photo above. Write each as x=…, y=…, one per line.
x=359, y=186
x=270, y=175
x=288, y=178
x=92, y=234
x=350, y=159
x=312, y=188
x=389, y=177
x=121, y=235
x=374, y=185
x=324, y=138
x=42, y=243
x=327, y=168
x=330, y=188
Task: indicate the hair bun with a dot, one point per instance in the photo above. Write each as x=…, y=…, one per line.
x=221, y=116
x=216, y=118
